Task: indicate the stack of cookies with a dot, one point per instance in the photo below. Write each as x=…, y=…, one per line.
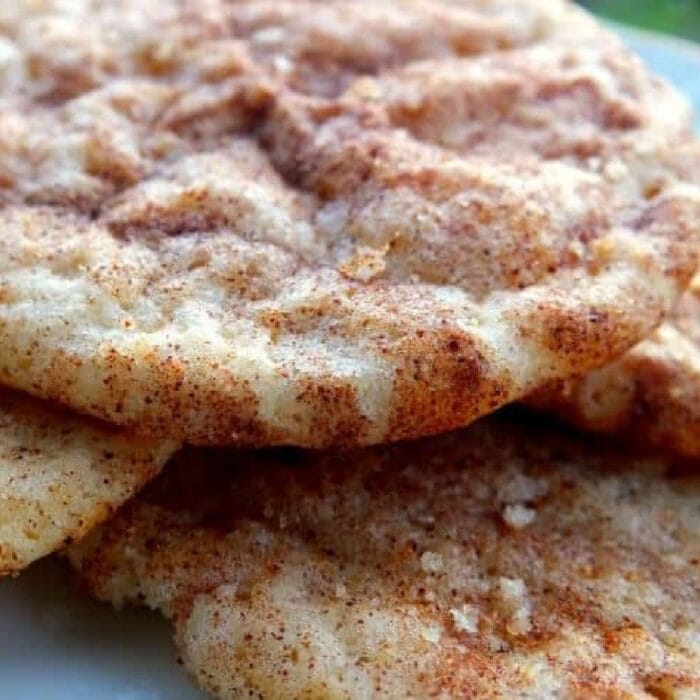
x=280, y=259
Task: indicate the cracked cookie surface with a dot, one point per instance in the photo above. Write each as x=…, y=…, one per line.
x=326, y=223
x=61, y=475
x=508, y=559
x=651, y=395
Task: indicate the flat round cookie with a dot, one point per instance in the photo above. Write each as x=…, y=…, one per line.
x=506, y=560
x=651, y=395
x=323, y=223
x=60, y=475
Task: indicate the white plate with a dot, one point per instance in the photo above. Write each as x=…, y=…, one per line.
x=55, y=645
x=675, y=59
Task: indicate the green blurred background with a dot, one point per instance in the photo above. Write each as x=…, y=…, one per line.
x=681, y=17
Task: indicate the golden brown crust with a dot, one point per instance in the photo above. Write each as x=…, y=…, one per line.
x=61, y=475
x=323, y=223
x=506, y=560
x=651, y=395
